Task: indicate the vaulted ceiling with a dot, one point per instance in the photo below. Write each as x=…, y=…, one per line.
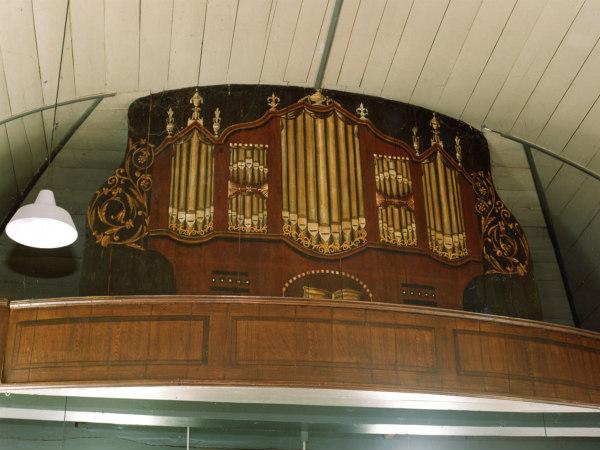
x=526, y=67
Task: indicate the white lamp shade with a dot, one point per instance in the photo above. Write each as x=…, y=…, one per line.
x=42, y=224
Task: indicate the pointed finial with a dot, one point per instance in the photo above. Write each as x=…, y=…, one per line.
x=458, y=150
x=196, y=100
x=170, y=122
x=217, y=121
x=273, y=101
x=435, y=125
x=362, y=111
x=416, y=141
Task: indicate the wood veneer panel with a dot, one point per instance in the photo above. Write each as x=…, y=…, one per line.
x=261, y=341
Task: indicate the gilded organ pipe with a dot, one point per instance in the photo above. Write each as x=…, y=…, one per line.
x=395, y=201
x=322, y=180
x=190, y=199
x=248, y=188
x=443, y=205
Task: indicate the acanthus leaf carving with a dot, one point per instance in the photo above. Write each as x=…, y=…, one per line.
x=118, y=214
x=505, y=248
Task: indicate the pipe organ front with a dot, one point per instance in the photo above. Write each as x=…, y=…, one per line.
x=312, y=198
x=320, y=155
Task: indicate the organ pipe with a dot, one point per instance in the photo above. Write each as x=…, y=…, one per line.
x=190, y=199
x=395, y=201
x=443, y=205
x=248, y=188
x=322, y=182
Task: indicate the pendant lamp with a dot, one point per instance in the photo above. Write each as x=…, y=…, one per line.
x=42, y=224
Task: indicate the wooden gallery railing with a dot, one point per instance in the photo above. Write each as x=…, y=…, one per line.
x=294, y=342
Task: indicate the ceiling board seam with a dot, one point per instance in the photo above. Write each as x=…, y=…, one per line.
x=579, y=126
x=12, y=158
x=272, y=13
x=170, y=43
x=62, y=51
x=105, y=64
x=202, y=42
x=329, y=2
x=337, y=80
x=293, y=38
x=462, y=46
x=582, y=284
x=547, y=65
x=37, y=50
x=397, y=46
x=237, y=7
x=429, y=51
x=29, y=146
x=488, y=59
x=70, y=23
x=10, y=111
x=37, y=55
x=569, y=88
x=516, y=59
x=588, y=223
x=373, y=44
x=139, y=42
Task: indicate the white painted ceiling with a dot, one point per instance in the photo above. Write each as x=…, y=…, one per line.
x=526, y=67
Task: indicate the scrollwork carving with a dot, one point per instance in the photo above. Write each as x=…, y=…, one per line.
x=118, y=214
x=505, y=248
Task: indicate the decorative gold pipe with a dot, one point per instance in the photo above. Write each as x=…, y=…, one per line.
x=352, y=178
x=396, y=177
x=406, y=186
x=201, y=190
x=208, y=205
x=255, y=166
x=247, y=165
x=192, y=183
x=172, y=213
x=311, y=176
x=255, y=210
x=379, y=172
x=176, y=183
x=183, y=165
x=427, y=198
x=344, y=181
x=407, y=227
x=301, y=173
x=443, y=192
x=390, y=177
x=436, y=201
x=261, y=219
x=461, y=221
x=450, y=178
x=390, y=222
x=399, y=222
x=362, y=221
x=386, y=223
x=321, y=170
x=291, y=158
x=412, y=237
x=332, y=169
x=247, y=210
x=240, y=209
x=380, y=221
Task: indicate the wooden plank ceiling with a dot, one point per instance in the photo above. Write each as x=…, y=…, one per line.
x=526, y=67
